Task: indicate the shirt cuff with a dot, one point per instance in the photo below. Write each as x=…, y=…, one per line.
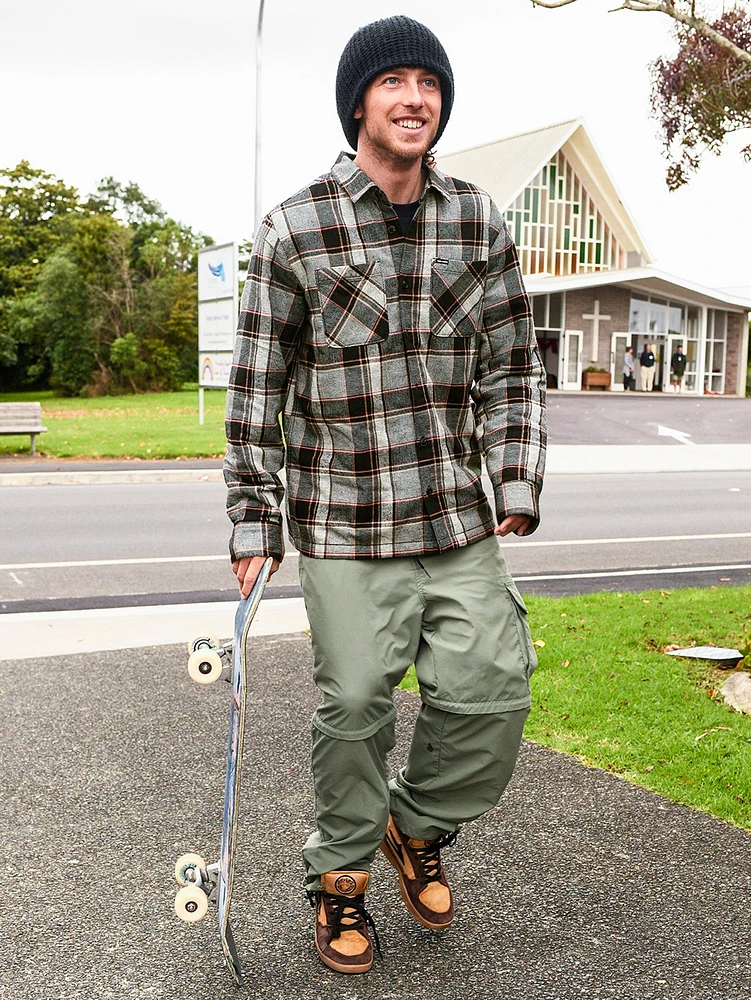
x=256, y=538
x=518, y=498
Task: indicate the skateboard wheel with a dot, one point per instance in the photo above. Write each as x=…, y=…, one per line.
x=191, y=904
x=204, y=640
x=205, y=666
x=185, y=864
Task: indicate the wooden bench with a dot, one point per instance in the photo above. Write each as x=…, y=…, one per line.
x=22, y=418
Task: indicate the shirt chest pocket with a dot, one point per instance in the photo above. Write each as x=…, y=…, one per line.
x=457, y=291
x=352, y=303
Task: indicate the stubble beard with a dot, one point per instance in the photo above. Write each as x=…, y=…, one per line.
x=401, y=156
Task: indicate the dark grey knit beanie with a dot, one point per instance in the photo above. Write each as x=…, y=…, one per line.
x=394, y=41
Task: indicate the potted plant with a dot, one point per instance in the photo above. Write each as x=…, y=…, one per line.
x=595, y=378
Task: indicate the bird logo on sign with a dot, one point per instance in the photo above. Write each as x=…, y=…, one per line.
x=218, y=270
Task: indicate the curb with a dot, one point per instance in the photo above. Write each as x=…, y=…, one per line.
x=562, y=459
x=111, y=477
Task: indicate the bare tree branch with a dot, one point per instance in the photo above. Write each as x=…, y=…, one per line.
x=672, y=10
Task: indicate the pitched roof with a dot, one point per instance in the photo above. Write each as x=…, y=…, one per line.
x=647, y=280
x=505, y=167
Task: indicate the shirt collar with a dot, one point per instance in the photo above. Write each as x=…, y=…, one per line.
x=356, y=182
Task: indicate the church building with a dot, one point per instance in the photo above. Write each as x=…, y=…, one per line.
x=590, y=276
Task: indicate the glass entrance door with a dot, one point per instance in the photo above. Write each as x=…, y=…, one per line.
x=572, y=359
x=618, y=344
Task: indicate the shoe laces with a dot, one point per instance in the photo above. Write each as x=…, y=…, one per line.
x=348, y=913
x=429, y=857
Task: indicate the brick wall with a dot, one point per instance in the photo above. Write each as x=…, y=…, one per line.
x=615, y=303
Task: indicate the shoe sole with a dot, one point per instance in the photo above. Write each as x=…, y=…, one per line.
x=392, y=860
x=352, y=969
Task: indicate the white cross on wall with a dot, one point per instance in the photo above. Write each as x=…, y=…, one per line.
x=596, y=316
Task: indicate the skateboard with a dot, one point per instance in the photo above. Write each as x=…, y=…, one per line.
x=200, y=883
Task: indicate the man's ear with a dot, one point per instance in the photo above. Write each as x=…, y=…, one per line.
x=358, y=111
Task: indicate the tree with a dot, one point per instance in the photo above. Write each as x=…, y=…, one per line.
x=101, y=246
x=53, y=322
x=99, y=295
x=125, y=201
x=35, y=217
x=35, y=213
x=703, y=94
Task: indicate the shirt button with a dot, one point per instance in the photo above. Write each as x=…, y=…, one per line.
x=423, y=441
x=404, y=284
x=429, y=491
x=391, y=230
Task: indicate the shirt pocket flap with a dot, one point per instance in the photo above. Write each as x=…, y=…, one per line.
x=457, y=290
x=352, y=301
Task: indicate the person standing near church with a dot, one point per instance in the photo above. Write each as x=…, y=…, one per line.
x=677, y=369
x=385, y=317
x=629, y=382
x=647, y=368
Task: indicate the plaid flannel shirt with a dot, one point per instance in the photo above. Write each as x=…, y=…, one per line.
x=396, y=361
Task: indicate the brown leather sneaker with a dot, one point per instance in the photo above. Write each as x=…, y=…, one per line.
x=422, y=880
x=343, y=925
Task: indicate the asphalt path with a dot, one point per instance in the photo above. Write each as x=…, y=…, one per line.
x=578, y=886
x=77, y=546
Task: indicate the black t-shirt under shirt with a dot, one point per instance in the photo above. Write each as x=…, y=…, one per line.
x=405, y=214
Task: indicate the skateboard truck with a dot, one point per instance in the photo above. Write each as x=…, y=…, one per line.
x=199, y=887
x=209, y=658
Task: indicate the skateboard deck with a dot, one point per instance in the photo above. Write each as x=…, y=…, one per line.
x=204, y=883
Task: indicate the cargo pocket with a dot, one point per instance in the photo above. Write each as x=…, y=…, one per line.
x=457, y=289
x=522, y=625
x=352, y=302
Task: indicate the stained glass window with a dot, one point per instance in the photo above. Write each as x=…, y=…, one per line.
x=547, y=231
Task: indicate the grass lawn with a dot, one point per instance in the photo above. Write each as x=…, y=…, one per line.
x=154, y=425
x=606, y=693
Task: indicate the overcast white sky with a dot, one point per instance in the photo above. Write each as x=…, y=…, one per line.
x=161, y=92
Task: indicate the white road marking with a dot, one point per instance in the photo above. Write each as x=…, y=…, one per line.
x=15, y=579
x=114, y=562
x=630, y=540
x=681, y=436
x=155, y=560
x=657, y=571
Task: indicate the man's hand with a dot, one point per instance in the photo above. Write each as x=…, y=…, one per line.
x=246, y=570
x=518, y=523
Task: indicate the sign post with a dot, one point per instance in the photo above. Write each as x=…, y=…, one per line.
x=217, y=317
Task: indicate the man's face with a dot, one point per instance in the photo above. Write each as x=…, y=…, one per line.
x=400, y=114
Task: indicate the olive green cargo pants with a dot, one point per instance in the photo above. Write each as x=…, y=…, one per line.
x=460, y=619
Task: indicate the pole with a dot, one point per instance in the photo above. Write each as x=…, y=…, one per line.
x=257, y=180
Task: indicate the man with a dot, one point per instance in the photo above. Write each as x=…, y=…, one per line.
x=385, y=317
x=647, y=368
x=678, y=369
x=629, y=382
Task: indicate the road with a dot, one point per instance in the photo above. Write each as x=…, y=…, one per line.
x=635, y=418
x=82, y=546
